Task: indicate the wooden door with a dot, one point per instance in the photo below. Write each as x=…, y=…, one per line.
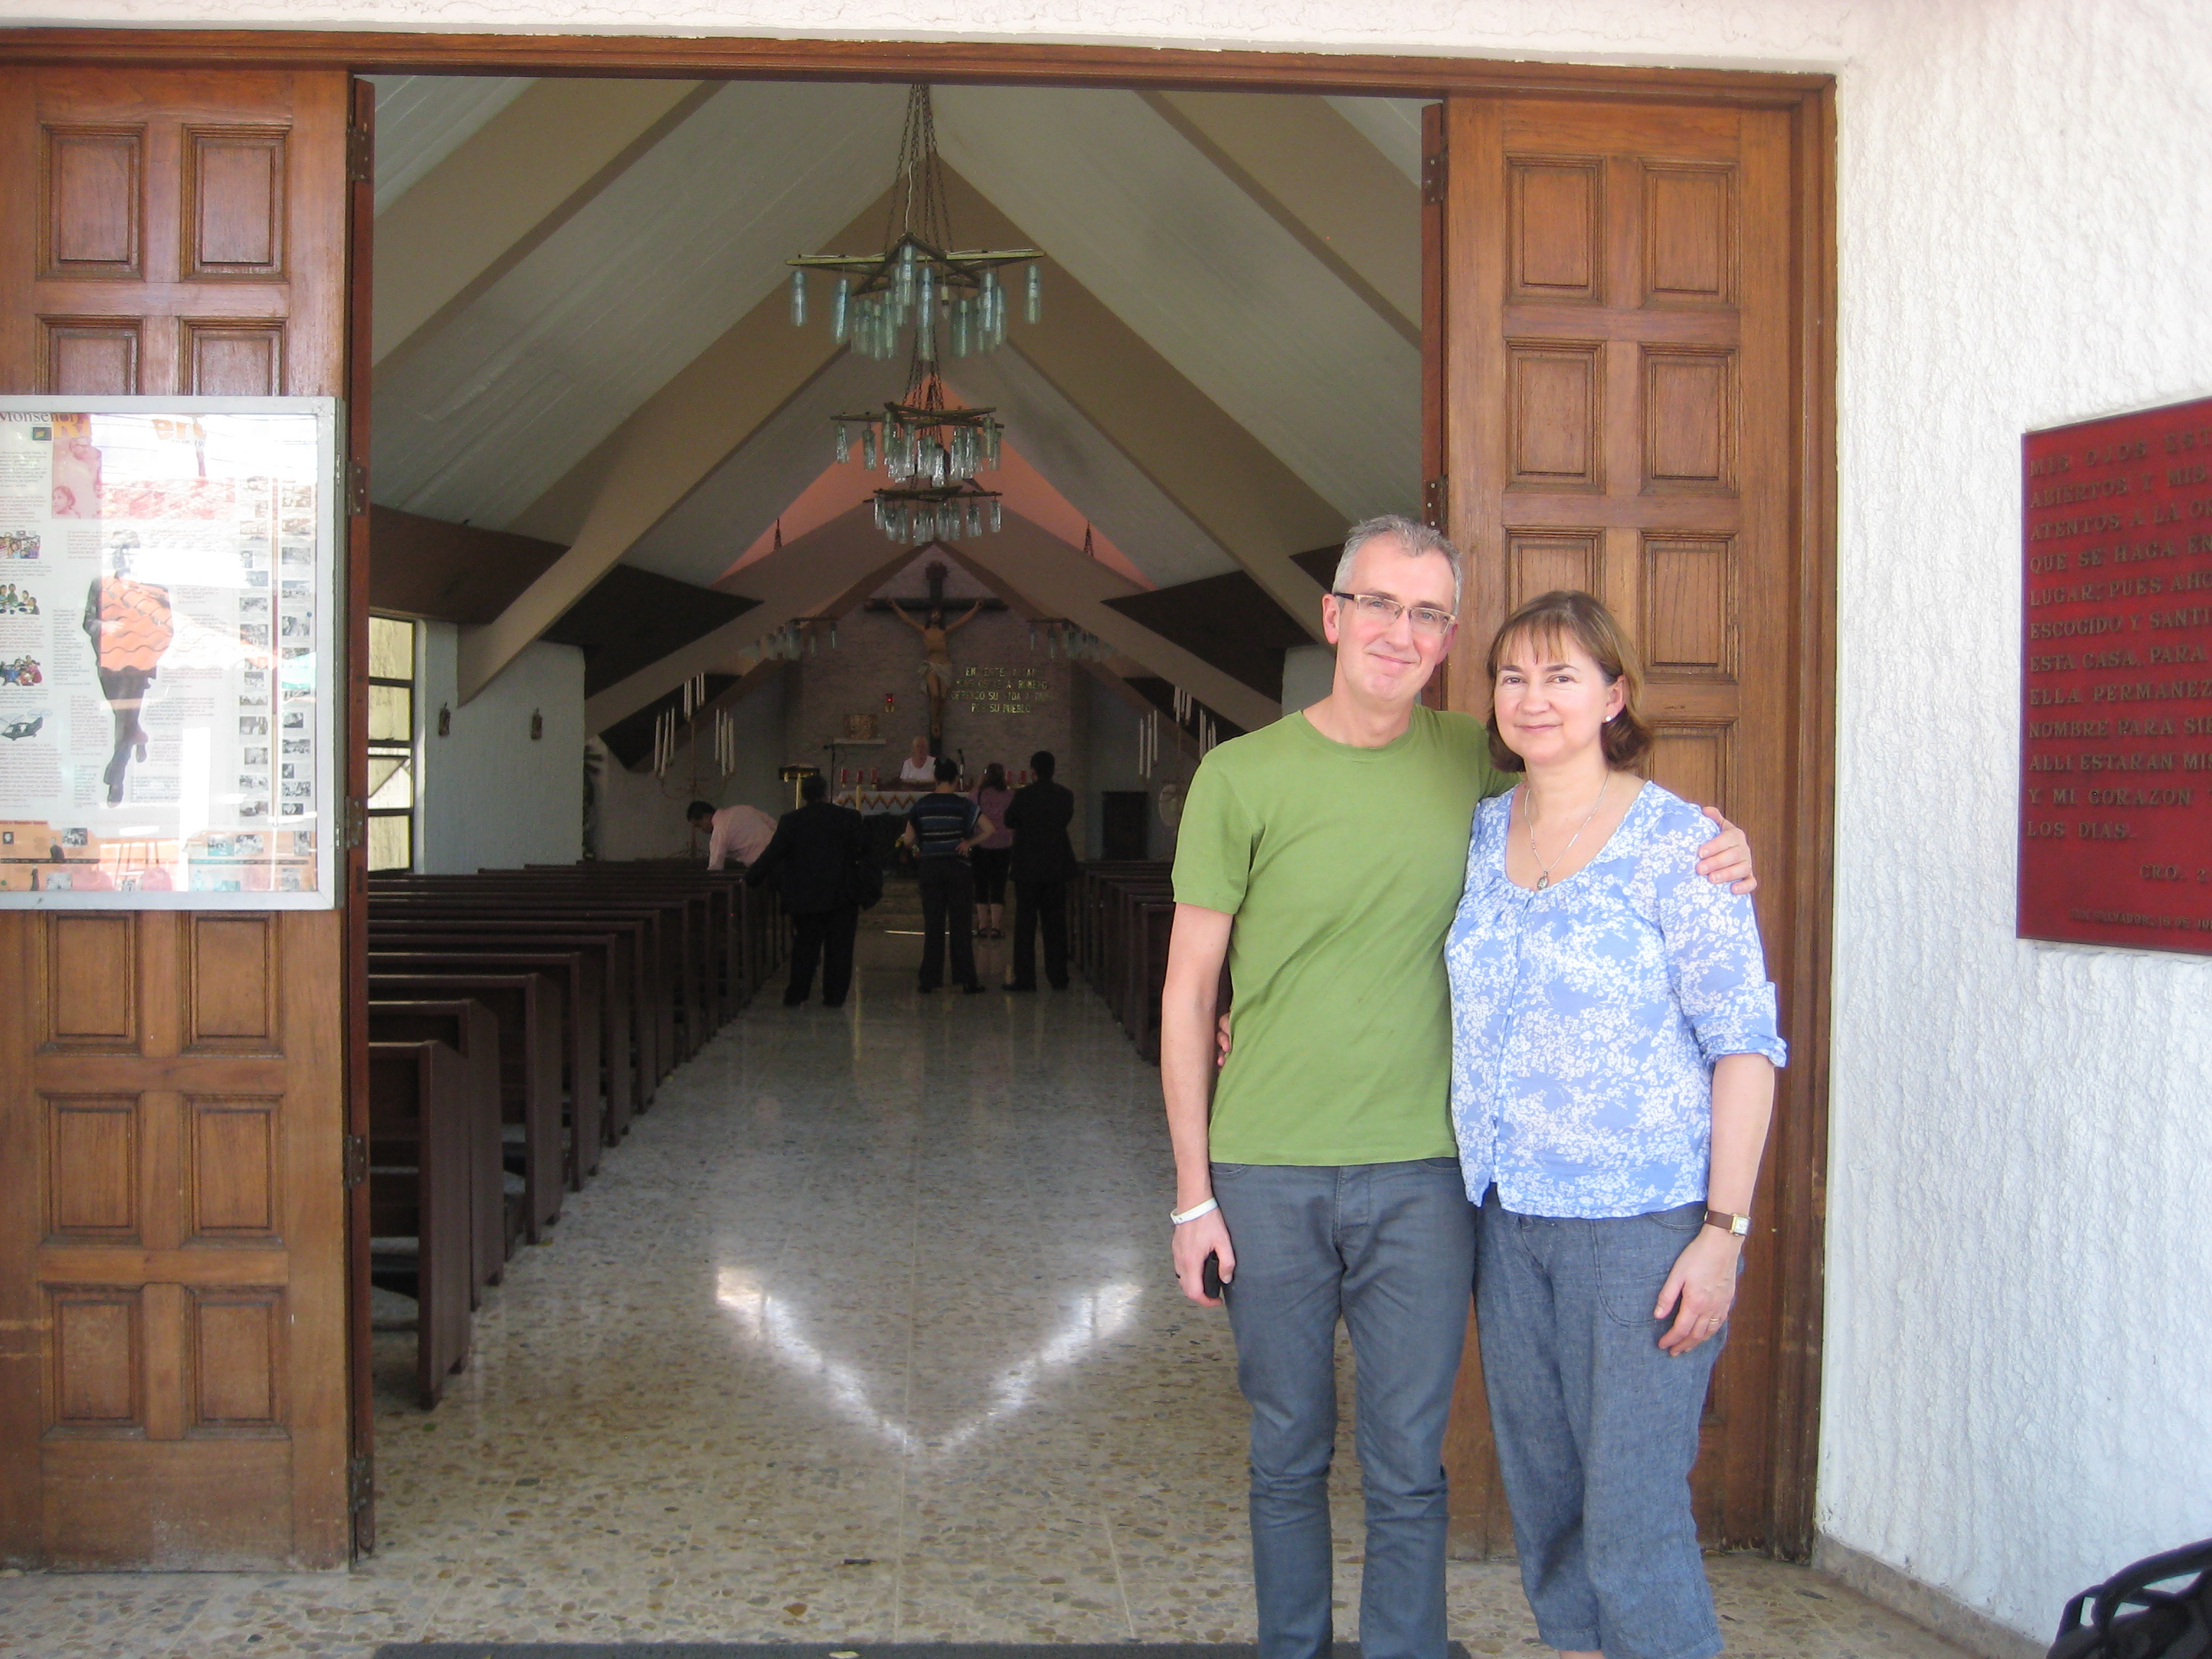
x=1618, y=402
x=172, y=1250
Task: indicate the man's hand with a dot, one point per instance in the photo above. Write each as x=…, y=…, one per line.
x=1725, y=860
x=1194, y=1240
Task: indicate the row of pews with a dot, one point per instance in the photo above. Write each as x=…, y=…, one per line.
x=519, y=1021
x=1122, y=914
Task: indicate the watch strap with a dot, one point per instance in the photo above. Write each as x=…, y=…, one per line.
x=1738, y=1226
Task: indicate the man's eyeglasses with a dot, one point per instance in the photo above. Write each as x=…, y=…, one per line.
x=1383, y=611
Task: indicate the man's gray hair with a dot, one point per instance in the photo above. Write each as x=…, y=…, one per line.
x=1412, y=534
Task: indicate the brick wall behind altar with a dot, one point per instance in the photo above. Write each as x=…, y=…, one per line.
x=996, y=673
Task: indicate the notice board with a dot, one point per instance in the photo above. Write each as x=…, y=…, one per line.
x=2116, y=750
x=168, y=681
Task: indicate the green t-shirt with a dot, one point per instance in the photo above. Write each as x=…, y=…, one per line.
x=1343, y=868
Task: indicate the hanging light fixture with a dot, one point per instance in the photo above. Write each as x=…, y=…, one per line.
x=919, y=279
x=930, y=450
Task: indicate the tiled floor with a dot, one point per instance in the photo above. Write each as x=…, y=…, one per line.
x=864, y=1333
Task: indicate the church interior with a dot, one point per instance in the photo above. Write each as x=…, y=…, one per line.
x=586, y=449
x=835, y=1324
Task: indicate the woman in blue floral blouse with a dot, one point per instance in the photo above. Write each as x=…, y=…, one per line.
x=1613, y=1056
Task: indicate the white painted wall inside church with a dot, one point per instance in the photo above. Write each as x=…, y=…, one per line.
x=2013, y=1402
x=1307, y=673
x=492, y=797
x=641, y=816
x=1112, y=754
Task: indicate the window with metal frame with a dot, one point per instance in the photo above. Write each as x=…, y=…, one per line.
x=391, y=759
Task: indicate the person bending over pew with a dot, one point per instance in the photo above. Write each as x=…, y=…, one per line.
x=813, y=852
x=741, y=833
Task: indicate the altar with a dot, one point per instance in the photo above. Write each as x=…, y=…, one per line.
x=877, y=803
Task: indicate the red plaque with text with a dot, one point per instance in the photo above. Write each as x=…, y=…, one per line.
x=2116, y=739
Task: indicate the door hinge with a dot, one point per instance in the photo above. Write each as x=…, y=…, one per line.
x=355, y=1156
x=1433, y=172
x=1436, y=502
x=356, y=823
x=357, y=488
x=360, y=154
x=360, y=1484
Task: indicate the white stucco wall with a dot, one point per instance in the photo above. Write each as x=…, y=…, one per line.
x=2016, y=1393
x=492, y=797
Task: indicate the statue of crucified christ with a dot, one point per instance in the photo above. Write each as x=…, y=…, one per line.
x=937, y=662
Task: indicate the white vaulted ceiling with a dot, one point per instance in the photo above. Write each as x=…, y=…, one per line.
x=526, y=380
x=421, y=120
x=1210, y=280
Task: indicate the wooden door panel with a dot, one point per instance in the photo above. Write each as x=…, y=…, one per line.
x=172, y=1249
x=1618, y=386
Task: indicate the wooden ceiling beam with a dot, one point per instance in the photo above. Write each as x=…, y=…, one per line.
x=654, y=459
x=517, y=179
x=1314, y=174
x=821, y=573
x=1229, y=483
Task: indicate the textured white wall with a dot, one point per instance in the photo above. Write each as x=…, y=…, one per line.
x=492, y=798
x=2017, y=1397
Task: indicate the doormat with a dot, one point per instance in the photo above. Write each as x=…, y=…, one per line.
x=834, y=1650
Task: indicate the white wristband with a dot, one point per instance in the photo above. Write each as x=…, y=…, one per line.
x=1193, y=1213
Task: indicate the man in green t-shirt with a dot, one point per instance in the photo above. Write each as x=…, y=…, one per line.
x=1323, y=857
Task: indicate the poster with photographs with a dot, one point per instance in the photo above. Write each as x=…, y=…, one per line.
x=168, y=684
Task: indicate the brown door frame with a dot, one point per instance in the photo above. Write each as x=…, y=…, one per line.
x=1801, y=1126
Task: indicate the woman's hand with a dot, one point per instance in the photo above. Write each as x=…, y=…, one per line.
x=1194, y=1240
x=1704, y=1284
x=1221, y=1042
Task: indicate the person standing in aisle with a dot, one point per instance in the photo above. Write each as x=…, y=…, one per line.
x=941, y=827
x=990, y=858
x=813, y=851
x=1042, y=864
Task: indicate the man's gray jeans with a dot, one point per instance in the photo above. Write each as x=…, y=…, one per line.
x=1389, y=1249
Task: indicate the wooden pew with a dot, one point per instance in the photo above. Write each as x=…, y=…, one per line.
x=578, y=975
x=618, y=1070
x=418, y=1198
x=527, y=1010
x=1124, y=919
x=652, y=972
x=470, y=1030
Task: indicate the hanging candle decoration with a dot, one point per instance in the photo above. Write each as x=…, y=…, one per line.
x=799, y=299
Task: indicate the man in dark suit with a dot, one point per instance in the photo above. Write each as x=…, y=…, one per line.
x=814, y=850
x=1042, y=864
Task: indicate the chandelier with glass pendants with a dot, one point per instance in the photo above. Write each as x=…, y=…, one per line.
x=919, y=278
x=930, y=447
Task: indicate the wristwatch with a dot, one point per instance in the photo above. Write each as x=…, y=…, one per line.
x=1737, y=1225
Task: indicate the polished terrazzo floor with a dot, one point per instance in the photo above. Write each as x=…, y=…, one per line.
x=865, y=1333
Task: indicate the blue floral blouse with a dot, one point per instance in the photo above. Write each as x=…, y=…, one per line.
x=1586, y=1018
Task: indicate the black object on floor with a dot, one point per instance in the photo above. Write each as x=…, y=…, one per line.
x=825, y=1650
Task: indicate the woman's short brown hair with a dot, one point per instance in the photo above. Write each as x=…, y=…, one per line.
x=1562, y=615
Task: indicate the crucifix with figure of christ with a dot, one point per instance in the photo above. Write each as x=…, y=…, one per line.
x=936, y=637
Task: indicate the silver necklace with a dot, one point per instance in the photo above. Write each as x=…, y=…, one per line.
x=1544, y=870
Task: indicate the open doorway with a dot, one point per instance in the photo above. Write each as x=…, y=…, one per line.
x=1595, y=280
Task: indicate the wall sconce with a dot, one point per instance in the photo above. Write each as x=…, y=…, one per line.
x=536, y=726
x=445, y=719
